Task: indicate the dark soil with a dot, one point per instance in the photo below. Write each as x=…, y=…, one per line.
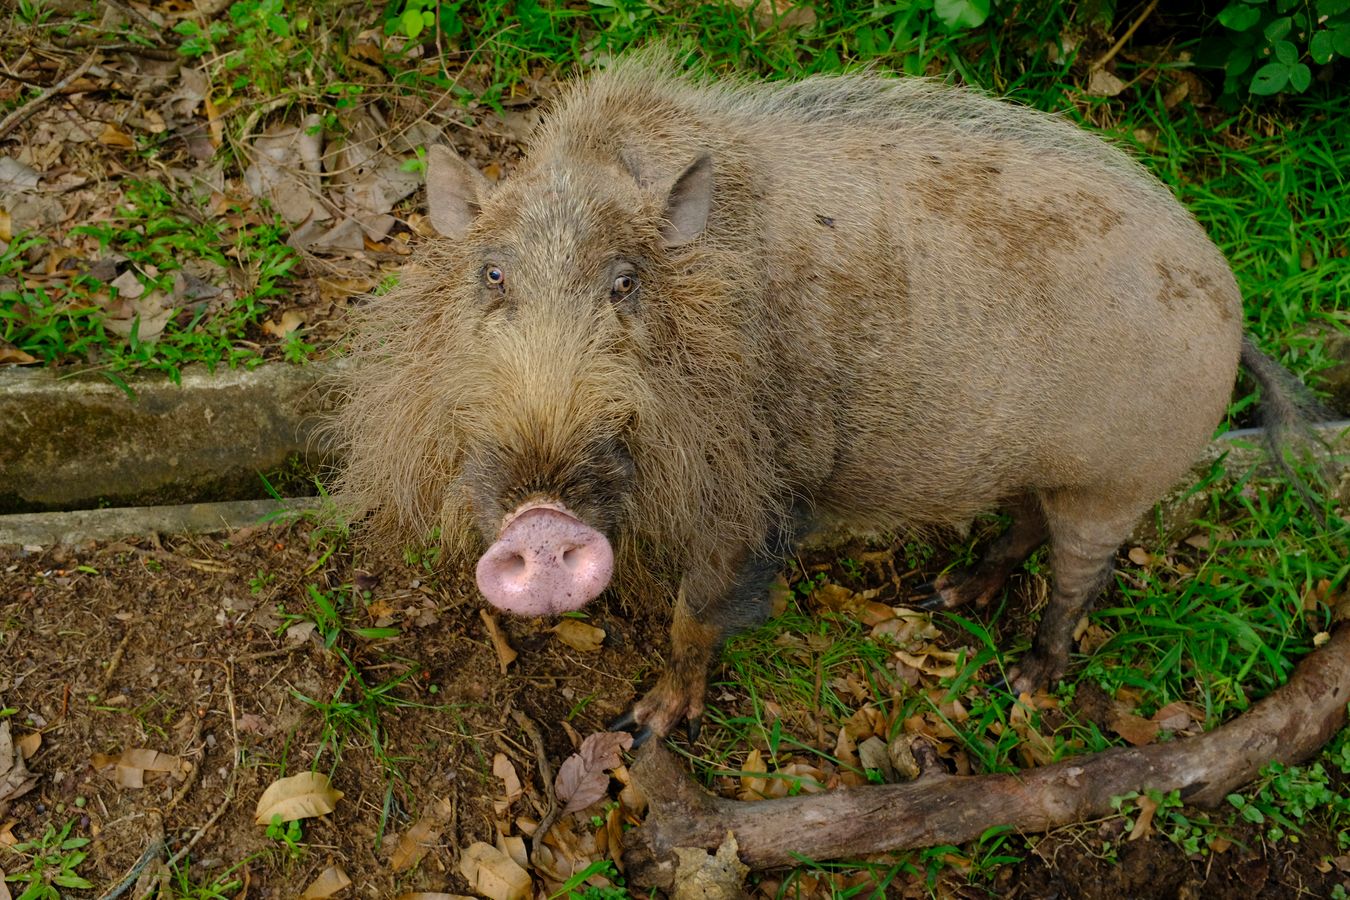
x=180, y=647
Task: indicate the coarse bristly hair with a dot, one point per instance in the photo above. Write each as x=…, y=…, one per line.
x=910, y=303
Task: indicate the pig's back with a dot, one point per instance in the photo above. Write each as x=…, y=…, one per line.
x=961, y=298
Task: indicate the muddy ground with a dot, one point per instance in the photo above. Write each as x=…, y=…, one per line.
x=182, y=646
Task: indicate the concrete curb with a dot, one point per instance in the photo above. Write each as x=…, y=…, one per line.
x=47, y=529
x=80, y=442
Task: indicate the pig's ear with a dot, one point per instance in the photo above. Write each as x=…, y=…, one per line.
x=454, y=190
x=688, y=204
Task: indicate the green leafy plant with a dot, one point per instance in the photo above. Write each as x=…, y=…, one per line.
x=52, y=860
x=1268, y=45
x=259, y=46
x=415, y=17
x=289, y=835
x=1287, y=796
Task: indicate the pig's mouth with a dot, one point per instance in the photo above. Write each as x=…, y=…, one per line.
x=545, y=561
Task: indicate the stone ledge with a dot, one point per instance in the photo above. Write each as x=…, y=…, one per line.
x=80, y=442
x=50, y=528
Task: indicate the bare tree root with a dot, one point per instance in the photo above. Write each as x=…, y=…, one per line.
x=1288, y=726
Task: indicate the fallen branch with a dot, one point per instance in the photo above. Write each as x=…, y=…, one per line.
x=938, y=808
x=23, y=112
x=1129, y=33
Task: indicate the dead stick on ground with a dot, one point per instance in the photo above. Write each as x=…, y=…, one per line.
x=1288, y=726
x=1129, y=33
x=545, y=774
x=19, y=115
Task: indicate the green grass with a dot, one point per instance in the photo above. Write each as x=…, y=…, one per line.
x=1266, y=189
x=162, y=237
x=1217, y=621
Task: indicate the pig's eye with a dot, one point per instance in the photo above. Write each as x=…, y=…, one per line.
x=623, y=286
x=493, y=276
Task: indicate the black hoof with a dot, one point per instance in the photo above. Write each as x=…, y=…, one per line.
x=640, y=737
x=932, y=598
x=935, y=603
x=626, y=722
x=695, y=727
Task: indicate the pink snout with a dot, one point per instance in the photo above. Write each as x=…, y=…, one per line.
x=545, y=561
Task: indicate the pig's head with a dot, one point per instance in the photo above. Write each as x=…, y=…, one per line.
x=549, y=283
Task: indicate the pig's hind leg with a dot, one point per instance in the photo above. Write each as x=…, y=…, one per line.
x=1086, y=529
x=981, y=583
x=705, y=618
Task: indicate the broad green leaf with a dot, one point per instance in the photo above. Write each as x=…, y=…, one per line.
x=1320, y=47
x=1340, y=39
x=1270, y=79
x=412, y=22
x=1286, y=52
x=1332, y=7
x=1239, y=16
x=958, y=14
x=1239, y=61
x=71, y=880
x=1278, y=28
x=1300, y=77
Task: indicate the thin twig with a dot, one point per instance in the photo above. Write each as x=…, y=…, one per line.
x=19, y=115
x=545, y=773
x=1129, y=33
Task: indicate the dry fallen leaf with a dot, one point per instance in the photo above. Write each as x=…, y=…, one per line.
x=502, y=768
x=579, y=636
x=514, y=847
x=421, y=837
x=290, y=320
x=131, y=765
x=874, y=754
x=414, y=844
x=12, y=356
x=1035, y=749
x=752, y=786
x=113, y=136
x=493, y=874
x=1102, y=83
x=29, y=744
x=505, y=654
x=1177, y=716
x=330, y=881
x=1135, y=729
x=704, y=876
x=302, y=796
x=432, y=895
x=836, y=597
x=1143, y=826
x=582, y=778
x=933, y=662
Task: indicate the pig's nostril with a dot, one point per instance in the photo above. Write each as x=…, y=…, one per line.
x=571, y=558
x=514, y=566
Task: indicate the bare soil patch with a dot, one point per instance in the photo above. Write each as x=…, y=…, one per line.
x=181, y=646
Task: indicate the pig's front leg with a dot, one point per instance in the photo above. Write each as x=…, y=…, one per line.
x=709, y=610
